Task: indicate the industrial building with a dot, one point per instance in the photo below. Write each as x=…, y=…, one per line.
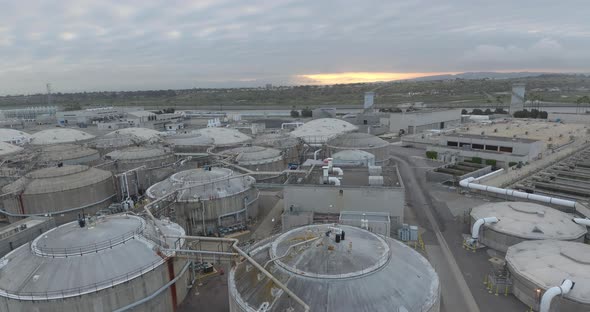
x=139, y=167
x=290, y=146
x=418, y=121
x=208, y=198
x=29, y=113
x=502, y=150
x=257, y=158
x=360, y=141
x=62, y=192
x=66, y=154
x=545, y=271
x=87, y=116
x=335, y=268
x=521, y=221
x=319, y=131
x=314, y=199
x=14, y=136
x=101, y=263
x=60, y=135
x=23, y=231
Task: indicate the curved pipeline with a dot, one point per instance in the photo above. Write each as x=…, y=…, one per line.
x=338, y=171
x=582, y=221
x=334, y=180
x=477, y=225
x=563, y=289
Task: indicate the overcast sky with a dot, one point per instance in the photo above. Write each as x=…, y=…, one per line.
x=116, y=45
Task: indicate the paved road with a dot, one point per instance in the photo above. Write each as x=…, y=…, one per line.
x=456, y=295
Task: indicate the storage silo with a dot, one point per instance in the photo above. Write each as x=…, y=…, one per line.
x=360, y=141
x=257, y=158
x=353, y=158
x=62, y=192
x=60, y=135
x=521, y=221
x=334, y=268
x=290, y=146
x=112, y=262
x=157, y=162
x=209, y=199
x=66, y=154
x=544, y=269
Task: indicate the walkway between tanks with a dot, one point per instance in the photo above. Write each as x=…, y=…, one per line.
x=456, y=296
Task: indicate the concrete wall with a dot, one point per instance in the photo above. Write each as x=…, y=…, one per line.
x=112, y=298
x=329, y=199
x=416, y=122
x=22, y=237
x=291, y=220
x=502, y=159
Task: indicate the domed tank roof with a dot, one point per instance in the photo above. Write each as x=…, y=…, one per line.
x=357, y=141
x=59, y=135
x=139, y=152
x=56, y=179
x=325, y=128
x=9, y=149
x=529, y=221
x=352, y=155
x=367, y=272
x=224, y=136
x=141, y=133
x=214, y=183
x=10, y=135
x=276, y=140
x=254, y=154
x=189, y=139
x=547, y=263
x=61, y=152
x=111, y=250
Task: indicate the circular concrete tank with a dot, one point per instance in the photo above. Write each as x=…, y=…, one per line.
x=143, y=134
x=67, y=154
x=363, y=272
x=536, y=266
x=63, y=192
x=60, y=135
x=110, y=263
x=224, y=138
x=257, y=158
x=290, y=146
x=189, y=142
x=158, y=164
x=360, y=141
x=212, y=198
x=14, y=136
x=521, y=221
x=353, y=158
x=121, y=139
x=7, y=149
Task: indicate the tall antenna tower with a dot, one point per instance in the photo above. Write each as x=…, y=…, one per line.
x=48, y=94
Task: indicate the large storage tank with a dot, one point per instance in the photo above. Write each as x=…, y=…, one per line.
x=218, y=197
x=60, y=135
x=360, y=141
x=158, y=163
x=224, y=138
x=353, y=158
x=189, y=142
x=7, y=150
x=13, y=136
x=111, y=263
x=319, y=131
x=290, y=146
x=127, y=137
x=257, y=158
x=67, y=154
x=536, y=266
x=62, y=192
x=357, y=271
x=520, y=221
x=143, y=134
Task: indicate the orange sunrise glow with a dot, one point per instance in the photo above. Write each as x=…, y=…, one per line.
x=354, y=77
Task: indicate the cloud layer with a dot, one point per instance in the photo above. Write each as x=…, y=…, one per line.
x=126, y=45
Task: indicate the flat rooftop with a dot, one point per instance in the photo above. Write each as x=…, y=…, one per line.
x=356, y=176
x=491, y=137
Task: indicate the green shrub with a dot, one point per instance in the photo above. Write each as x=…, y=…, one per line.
x=476, y=160
x=294, y=114
x=512, y=164
x=306, y=112
x=491, y=162
x=431, y=154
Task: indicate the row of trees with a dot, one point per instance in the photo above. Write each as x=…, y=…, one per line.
x=534, y=113
x=477, y=111
x=306, y=112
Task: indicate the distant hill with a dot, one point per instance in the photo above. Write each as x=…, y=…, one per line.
x=482, y=75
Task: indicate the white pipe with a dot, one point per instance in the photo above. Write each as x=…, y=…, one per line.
x=582, y=221
x=315, y=154
x=479, y=223
x=338, y=170
x=565, y=288
x=330, y=163
x=472, y=184
x=488, y=175
x=335, y=180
